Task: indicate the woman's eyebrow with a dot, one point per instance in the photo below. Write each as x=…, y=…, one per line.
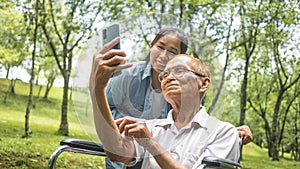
x=162, y=43
x=175, y=49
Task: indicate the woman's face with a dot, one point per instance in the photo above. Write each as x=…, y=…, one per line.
x=163, y=50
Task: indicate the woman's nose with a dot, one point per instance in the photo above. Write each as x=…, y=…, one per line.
x=164, y=55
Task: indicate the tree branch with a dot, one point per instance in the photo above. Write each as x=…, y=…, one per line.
x=54, y=23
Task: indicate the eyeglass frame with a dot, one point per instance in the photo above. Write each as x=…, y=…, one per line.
x=161, y=77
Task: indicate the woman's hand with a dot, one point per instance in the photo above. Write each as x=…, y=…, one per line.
x=245, y=132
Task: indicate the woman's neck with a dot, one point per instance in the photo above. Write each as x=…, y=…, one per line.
x=155, y=82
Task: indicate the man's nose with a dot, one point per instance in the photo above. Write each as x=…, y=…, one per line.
x=170, y=76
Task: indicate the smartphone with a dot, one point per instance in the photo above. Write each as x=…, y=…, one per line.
x=111, y=32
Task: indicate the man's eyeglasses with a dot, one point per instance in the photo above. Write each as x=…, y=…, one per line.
x=177, y=73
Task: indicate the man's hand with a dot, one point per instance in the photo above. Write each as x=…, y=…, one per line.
x=105, y=63
x=245, y=132
x=136, y=128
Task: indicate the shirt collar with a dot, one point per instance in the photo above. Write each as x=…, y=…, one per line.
x=199, y=119
x=147, y=71
x=166, y=122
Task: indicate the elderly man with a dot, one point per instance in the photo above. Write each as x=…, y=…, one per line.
x=181, y=140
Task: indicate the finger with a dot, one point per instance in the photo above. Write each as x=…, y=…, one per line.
x=112, y=53
x=113, y=65
x=240, y=128
x=115, y=61
x=109, y=45
x=129, y=127
x=119, y=121
x=123, y=66
x=246, y=140
x=241, y=133
x=132, y=132
x=122, y=126
x=122, y=123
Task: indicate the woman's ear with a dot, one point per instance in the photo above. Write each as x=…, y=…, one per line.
x=203, y=84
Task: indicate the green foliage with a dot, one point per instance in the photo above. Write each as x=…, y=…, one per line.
x=13, y=35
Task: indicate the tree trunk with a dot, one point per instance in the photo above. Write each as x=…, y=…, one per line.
x=46, y=92
x=63, y=128
x=11, y=89
x=29, y=105
x=49, y=86
x=7, y=73
x=37, y=80
x=35, y=101
x=13, y=86
x=219, y=90
x=274, y=132
x=297, y=146
x=243, y=100
x=275, y=155
x=70, y=97
x=39, y=92
x=267, y=131
x=282, y=151
x=31, y=82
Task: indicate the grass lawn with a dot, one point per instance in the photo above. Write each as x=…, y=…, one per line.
x=255, y=157
x=34, y=152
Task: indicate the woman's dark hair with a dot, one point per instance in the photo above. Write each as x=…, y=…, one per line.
x=173, y=31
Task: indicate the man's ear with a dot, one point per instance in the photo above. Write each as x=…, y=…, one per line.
x=203, y=84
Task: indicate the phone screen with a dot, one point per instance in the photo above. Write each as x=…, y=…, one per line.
x=111, y=32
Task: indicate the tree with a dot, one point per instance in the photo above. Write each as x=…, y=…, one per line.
x=67, y=24
x=277, y=72
x=35, y=26
x=13, y=46
x=51, y=73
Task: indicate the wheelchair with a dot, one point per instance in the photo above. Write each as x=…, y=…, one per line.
x=96, y=149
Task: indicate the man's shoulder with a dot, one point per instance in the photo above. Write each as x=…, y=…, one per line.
x=226, y=124
x=226, y=127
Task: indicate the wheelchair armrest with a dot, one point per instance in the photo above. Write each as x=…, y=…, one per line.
x=82, y=144
x=76, y=146
x=215, y=162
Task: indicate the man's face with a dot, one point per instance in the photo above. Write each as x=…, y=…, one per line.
x=178, y=81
